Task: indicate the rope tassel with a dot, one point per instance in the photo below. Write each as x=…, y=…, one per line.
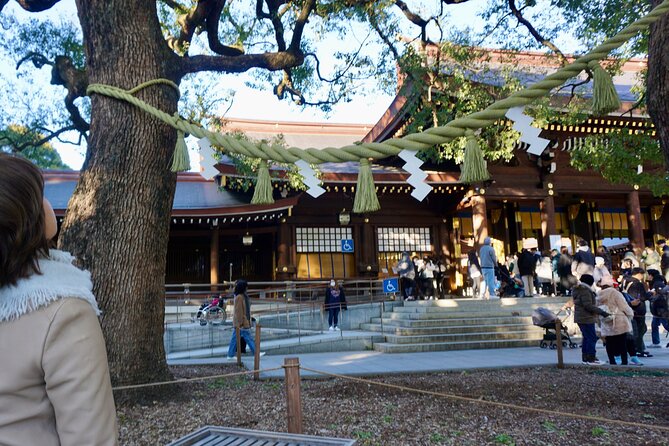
x=604, y=95
x=365, y=192
x=474, y=167
x=180, y=159
x=263, y=190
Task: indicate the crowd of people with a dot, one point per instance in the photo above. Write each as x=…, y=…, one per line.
x=531, y=272
x=421, y=278
x=614, y=307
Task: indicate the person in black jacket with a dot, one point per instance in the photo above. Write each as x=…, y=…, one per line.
x=664, y=262
x=527, y=264
x=585, y=315
x=635, y=287
x=563, y=268
x=335, y=300
x=658, y=306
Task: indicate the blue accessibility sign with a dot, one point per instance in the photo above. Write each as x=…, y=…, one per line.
x=347, y=245
x=391, y=285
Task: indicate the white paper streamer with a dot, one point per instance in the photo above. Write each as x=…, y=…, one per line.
x=417, y=177
x=315, y=190
x=528, y=134
x=207, y=161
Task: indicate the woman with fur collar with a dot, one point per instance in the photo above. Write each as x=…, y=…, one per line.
x=54, y=379
x=616, y=327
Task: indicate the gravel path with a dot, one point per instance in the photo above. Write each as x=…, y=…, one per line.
x=381, y=416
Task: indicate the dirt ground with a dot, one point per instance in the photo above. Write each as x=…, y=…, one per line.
x=375, y=415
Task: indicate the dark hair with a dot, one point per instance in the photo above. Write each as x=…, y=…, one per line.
x=638, y=270
x=240, y=286
x=22, y=237
x=582, y=242
x=587, y=279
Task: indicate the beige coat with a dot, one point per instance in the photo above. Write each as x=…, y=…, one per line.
x=239, y=319
x=620, y=312
x=54, y=378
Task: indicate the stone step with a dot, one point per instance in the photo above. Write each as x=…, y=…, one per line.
x=447, y=329
x=386, y=347
x=458, y=315
x=493, y=320
x=472, y=311
x=478, y=305
x=530, y=333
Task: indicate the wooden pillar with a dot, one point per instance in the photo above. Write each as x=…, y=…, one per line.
x=284, y=248
x=547, y=206
x=367, y=260
x=509, y=245
x=479, y=219
x=634, y=222
x=213, y=257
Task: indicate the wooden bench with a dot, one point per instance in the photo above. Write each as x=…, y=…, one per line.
x=223, y=436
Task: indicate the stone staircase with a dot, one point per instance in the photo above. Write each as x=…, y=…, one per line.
x=461, y=324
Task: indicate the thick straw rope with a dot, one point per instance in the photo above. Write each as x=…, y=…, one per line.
x=414, y=141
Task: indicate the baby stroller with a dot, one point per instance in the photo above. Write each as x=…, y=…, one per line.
x=212, y=312
x=545, y=318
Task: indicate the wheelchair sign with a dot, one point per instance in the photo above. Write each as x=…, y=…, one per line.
x=391, y=285
x=347, y=245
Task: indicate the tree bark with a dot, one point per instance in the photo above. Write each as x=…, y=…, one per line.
x=658, y=80
x=118, y=217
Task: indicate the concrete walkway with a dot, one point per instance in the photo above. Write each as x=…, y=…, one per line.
x=370, y=363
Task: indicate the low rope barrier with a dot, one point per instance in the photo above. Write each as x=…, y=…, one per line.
x=199, y=378
x=492, y=403
x=414, y=142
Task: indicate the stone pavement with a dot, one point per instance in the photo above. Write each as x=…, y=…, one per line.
x=371, y=363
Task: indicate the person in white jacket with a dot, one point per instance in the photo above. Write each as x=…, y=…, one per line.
x=55, y=387
x=618, y=324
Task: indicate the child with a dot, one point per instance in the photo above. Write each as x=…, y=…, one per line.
x=55, y=379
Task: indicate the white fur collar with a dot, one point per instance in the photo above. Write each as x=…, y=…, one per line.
x=59, y=278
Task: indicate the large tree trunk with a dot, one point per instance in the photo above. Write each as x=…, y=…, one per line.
x=118, y=218
x=658, y=80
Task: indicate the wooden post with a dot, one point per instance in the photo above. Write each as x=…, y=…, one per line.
x=558, y=340
x=479, y=219
x=213, y=257
x=256, y=359
x=291, y=367
x=547, y=206
x=239, y=346
x=634, y=222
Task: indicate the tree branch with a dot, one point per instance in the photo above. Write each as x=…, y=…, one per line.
x=75, y=81
x=213, y=19
x=207, y=14
x=17, y=147
x=307, y=7
x=538, y=37
x=35, y=5
x=270, y=61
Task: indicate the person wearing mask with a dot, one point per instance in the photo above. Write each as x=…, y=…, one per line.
x=583, y=261
x=604, y=253
x=335, y=301
x=635, y=287
x=527, y=264
x=241, y=320
x=475, y=275
x=600, y=270
x=55, y=387
x=585, y=315
x=616, y=327
x=488, y=262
